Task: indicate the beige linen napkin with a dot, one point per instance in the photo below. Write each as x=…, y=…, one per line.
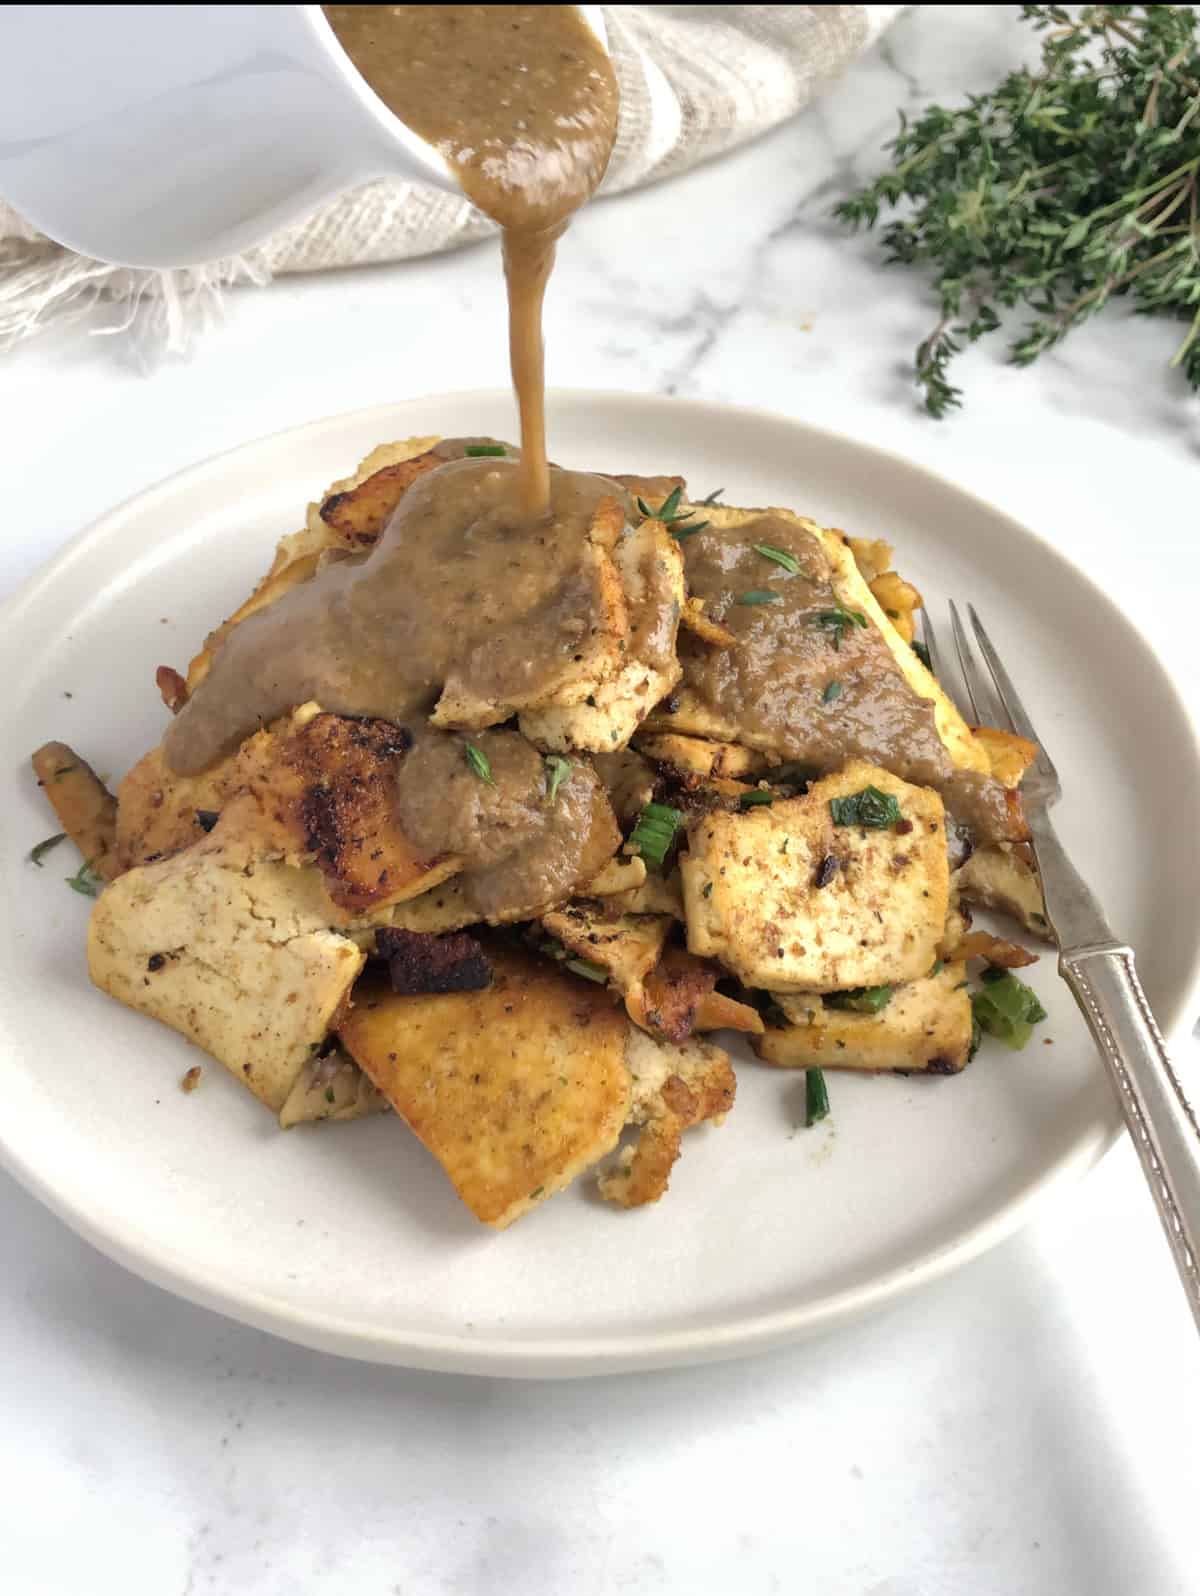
x=696, y=81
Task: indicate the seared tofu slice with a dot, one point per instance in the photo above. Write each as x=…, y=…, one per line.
x=576, y=673
x=350, y=517
x=679, y=997
x=629, y=781
x=238, y=960
x=674, y=1088
x=790, y=901
x=314, y=788
x=86, y=810
x=650, y=568
x=1004, y=878
x=334, y=1089
x=696, y=756
x=691, y=717
x=515, y=1090
x=627, y=946
x=355, y=511
x=925, y=1026
x=656, y=895
x=160, y=813
x=443, y=908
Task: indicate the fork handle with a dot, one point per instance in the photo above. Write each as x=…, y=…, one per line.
x=1161, y=1121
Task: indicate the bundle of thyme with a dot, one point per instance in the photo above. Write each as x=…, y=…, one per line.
x=1058, y=191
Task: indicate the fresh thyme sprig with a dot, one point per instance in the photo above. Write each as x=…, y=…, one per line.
x=680, y=523
x=1058, y=191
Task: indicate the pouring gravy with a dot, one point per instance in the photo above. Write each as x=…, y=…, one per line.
x=522, y=103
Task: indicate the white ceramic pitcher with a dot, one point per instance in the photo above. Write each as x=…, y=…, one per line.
x=169, y=135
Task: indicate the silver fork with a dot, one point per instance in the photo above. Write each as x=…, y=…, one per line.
x=1100, y=972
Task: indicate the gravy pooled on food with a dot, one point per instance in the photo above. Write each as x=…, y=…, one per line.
x=795, y=641
x=521, y=852
x=461, y=594
x=522, y=103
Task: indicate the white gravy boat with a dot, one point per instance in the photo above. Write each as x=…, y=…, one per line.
x=172, y=135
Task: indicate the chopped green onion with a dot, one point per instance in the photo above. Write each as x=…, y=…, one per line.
x=44, y=847
x=860, y=999
x=833, y=691
x=480, y=764
x=589, y=971
x=759, y=595
x=789, y=562
x=478, y=451
x=86, y=881
x=1006, y=1008
x=750, y=800
x=557, y=771
x=922, y=654
x=816, y=1097
x=870, y=807
x=655, y=832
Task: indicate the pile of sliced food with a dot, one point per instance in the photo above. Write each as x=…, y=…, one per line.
x=670, y=769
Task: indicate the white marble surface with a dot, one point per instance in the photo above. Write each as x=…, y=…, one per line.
x=1028, y=1426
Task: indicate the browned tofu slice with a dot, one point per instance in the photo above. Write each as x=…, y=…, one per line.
x=679, y=997
x=315, y=788
x=629, y=781
x=674, y=1088
x=515, y=1090
x=692, y=717
x=1005, y=878
x=649, y=568
x=627, y=946
x=926, y=1026
x=238, y=960
x=331, y=1089
x=789, y=901
x=159, y=812
x=86, y=810
x=697, y=756
x=356, y=514
x=383, y=476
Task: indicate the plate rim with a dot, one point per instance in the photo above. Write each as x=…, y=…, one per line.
x=560, y=1356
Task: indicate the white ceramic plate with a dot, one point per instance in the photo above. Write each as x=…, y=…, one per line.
x=349, y=1238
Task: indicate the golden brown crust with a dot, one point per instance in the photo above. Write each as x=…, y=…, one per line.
x=678, y=997
x=515, y=1121
x=674, y=1088
x=86, y=809
x=359, y=514
x=709, y=631
x=926, y=1026
x=315, y=789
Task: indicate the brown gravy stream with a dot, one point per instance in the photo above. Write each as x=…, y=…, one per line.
x=484, y=585
x=522, y=103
